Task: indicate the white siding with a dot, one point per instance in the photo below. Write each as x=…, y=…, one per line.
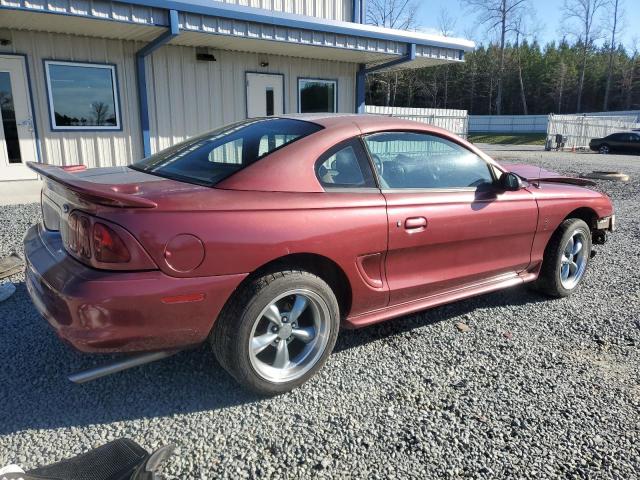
x=187, y=97
x=90, y=148
x=329, y=9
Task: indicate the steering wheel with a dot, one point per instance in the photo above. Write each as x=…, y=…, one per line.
x=377, y=162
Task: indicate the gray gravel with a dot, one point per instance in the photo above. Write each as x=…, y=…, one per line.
x=536, y=388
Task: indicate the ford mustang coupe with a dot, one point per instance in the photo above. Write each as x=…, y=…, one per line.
x=265, y=237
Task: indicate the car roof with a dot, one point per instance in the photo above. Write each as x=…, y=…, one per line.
x=366, y=123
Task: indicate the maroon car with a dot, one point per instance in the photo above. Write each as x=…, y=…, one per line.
x=266, y=236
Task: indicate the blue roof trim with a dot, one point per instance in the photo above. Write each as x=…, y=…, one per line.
x=282, y=19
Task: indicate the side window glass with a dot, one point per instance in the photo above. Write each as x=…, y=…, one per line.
x=345, y=166
x=418, y=160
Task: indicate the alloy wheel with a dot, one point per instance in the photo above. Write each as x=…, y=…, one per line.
x=289, y=336
x=604, y=149
x=573, y=262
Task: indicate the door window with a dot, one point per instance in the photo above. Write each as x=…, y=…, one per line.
x=8, y=115
x=409, y=160
x=345, y=166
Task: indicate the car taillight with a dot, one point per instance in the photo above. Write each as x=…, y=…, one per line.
x=83, y=237
x=72, y=223
x=108, y=247
x=78, y=237
x=104, y=245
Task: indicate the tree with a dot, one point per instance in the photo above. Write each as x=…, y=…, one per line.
x=100, y=110
x=501, y=16
x=446, y=23
x=583, y=13
x=616, y=14
x=399, y=14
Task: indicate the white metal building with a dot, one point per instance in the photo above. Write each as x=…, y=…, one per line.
x=103, y=82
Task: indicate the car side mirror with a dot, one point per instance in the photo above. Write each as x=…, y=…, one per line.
x=510, y=182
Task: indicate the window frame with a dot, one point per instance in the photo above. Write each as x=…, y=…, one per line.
x=490, y=167
x=363, y=162
x=333, y=81
x=115, y=90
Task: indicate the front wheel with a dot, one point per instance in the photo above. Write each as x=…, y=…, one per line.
x=604, y=149
x=565, y=259
x=277, y=331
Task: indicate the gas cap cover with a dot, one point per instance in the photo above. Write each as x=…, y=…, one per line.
x=184, y=253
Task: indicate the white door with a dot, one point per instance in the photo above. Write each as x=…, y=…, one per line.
x=17, y=135
x=265, y=94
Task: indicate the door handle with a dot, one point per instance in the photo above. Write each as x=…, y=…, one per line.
x=415, y=223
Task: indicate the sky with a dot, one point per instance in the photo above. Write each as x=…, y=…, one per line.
x=546, y=17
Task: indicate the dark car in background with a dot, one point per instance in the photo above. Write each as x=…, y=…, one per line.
x=622, y=142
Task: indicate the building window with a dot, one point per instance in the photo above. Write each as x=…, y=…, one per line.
x=82, y=96
x=317, y=96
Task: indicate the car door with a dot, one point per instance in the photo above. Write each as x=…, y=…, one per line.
x=449, y=227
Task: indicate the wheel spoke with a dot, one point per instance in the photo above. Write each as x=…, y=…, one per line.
x=273, y=314
x=577, y=246
x=282, y=355
x=564, y=260
x=298, y=307
x=564, y=271
x=573, y=268
x=569, y=247
x=258, y=344
x=305, y=334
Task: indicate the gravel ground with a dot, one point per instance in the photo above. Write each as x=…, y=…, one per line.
x=536, y=388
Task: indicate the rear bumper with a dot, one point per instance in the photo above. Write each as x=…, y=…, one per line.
x=100, y=311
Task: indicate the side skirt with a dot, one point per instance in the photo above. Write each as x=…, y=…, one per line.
x=486, y=286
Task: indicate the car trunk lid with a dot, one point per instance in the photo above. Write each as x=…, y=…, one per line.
x=99, y=189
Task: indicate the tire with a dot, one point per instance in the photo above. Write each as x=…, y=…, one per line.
x=604, y=149
x=241, y=336
x=555, y=266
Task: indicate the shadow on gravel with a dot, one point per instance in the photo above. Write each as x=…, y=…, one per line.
x=512, y=296
x=36, y=394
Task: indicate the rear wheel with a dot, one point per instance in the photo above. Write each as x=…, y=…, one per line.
x=277, y=331
x=565, y=259
x=604, y=149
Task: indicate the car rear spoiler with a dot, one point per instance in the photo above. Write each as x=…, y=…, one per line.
x=100, y=194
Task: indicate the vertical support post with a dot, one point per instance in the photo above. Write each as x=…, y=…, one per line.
x=356, y=12
x=143, y=100
x=361, y=80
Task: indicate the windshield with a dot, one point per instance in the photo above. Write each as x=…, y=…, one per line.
x=210, y=158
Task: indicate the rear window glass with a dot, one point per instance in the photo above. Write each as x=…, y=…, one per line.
x=210, y=158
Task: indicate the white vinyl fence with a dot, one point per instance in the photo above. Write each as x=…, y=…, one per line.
x=456, y=121
x=508, y=123
x=580, y=129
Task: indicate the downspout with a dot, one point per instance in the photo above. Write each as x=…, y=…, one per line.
x=363, y=71
x=143, y=100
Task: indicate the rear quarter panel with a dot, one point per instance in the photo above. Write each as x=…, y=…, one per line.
x=242, y=231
